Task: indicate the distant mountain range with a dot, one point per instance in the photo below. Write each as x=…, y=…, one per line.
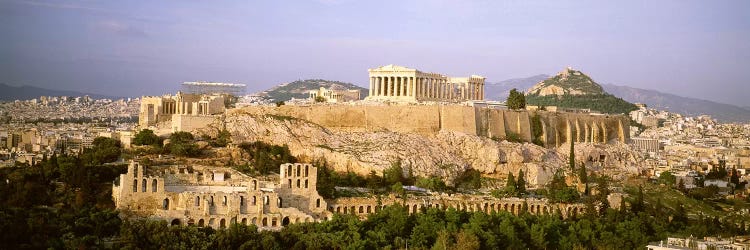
x=678, y=104
x=300, y=89
x=652, y=98
x=499, y=91
x=11, y=93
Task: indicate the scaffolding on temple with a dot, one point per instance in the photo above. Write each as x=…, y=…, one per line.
x=234, y=89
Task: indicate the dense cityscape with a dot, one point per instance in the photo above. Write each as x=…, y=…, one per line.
x=362, y=153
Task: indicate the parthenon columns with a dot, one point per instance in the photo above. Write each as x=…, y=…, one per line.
x=405, y=84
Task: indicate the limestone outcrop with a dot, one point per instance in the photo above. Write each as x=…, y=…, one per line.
x=445, y=155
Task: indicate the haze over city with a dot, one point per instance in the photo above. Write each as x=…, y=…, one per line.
x=692, y=48
x=340, y=124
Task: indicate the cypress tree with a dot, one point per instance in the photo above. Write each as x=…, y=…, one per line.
x=521, y=183
x=572, y=160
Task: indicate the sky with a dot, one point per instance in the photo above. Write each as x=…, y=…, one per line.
x=131, y=48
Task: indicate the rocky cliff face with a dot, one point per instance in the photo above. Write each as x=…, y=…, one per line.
x=445, y=155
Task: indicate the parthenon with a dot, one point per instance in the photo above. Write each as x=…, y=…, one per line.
x=402, y=84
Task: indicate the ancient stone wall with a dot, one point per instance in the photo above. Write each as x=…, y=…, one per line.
x=557, y=128
x=217, y=196
x=362, y=206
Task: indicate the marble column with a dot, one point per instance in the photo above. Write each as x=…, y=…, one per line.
x=400, y=90
x=450, y=91
x=372, y=86
x=381, y=88
x=403, y=86
x=387, y=85
x=481, y=90
x=422, y=89
x=394, y=85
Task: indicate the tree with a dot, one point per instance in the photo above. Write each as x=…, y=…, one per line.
x=103, y=150
x=638, y=204
x=583, y=178
x=734, y=178
x=667, y=178
x=394, y=174
x=320, y=99
x=521, y=183
x=510, y=184
x=146, y=137
x=572, y=158
x=516, y=100
x=181, y=144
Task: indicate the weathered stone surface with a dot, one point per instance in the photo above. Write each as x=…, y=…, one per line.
x=445, y=154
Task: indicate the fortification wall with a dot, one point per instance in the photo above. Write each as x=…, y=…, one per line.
x=556, y=128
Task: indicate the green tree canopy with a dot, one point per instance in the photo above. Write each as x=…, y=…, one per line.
x=146, y=137
x=103, y=150
x=516, y=100
x=181, y=144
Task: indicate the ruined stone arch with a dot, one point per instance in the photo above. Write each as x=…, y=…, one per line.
x=224, y=201
x=279, y=202
x=135, y=186
x=255, y=185
x=289, y=183
x=191, y=222
x=299, y=171
x=306, y=184
x=285, y=221
x=255, y=200
x=299, y=183
x=154, y=185
x=368, y=209
x=176, y=222
x=165, y=204
x=222, y=223
x=289, y=170
x=254, y=221
x=414, y=209
x=244, y=221
x=361, y=209
x=307, y=171
x=296, y=220
x=317, y=202
x=201, y=223
x=197, y=201
x=264, y=221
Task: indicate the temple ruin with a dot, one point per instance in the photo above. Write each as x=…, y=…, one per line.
x=218, y=196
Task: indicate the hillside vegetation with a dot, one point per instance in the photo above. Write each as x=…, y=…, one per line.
x=604, y=103
x=299, y=89
x=573, y=89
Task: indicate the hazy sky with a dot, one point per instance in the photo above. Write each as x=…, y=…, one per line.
x=690, y=48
